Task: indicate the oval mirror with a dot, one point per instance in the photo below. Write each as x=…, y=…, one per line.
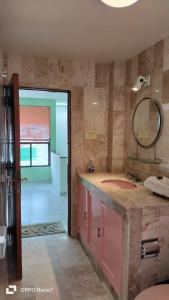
x=147, y=122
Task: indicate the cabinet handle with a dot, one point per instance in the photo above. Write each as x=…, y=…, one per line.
x=85, y=215
x=99, y=232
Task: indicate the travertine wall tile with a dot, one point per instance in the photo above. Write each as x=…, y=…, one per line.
x=166, y=54
x=131, y=145
x=27, y=75
x=110, y=117
x=14, y=61
x=1, y=61
x=95, y=99
x=102, y=75
x=155, y=225
x=135, y=252
x=59, y=73
x=116, y=118
x=145, y=62
x=162, y=148
x=157, y=85
x=83, y=73
x=118, y=123
x=117, y=165
x=119, y=74
x=148, y=267
x=95, y=109
x=118, y=146
x=165, y=86
x=145, y=154
x=100, y=122
x=134, y=69
x=119, y=99
x=158, y=56
x=40, y=71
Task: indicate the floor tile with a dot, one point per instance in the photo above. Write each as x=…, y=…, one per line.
x=59, y=264
x=41, y=204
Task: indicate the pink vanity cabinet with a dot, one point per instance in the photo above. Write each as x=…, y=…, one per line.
x=94, y=226
x=83, y=196
x=111, y=246
x=101, y=232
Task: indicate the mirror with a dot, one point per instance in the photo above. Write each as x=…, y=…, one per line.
x=147, y=122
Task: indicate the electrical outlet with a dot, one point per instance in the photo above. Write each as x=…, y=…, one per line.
x=90, y=135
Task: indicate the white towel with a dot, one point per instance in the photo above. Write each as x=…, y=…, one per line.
x=159, y=186
x=166, y=180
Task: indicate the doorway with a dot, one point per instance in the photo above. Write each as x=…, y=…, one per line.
x=45, y=158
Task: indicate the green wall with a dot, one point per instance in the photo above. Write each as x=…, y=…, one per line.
x=61, y=130
x=63, y=176
x=41, y=173
x=36, y=173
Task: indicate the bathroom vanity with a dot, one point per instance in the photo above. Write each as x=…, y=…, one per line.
x=124, y=229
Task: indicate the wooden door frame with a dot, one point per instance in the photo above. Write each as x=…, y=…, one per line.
x=15, y=77
x=69, y=141
x=14, y=251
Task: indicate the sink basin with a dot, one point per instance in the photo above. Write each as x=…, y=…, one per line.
x=123, y=184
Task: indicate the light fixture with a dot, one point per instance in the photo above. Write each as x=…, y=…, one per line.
x=4, y=74
x=140, y=81
x=119, y=3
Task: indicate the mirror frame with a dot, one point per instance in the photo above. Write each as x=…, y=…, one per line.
x=159, y=108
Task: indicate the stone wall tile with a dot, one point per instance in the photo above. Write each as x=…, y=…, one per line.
x=117, y=165
x=83, y=74
x=118, y=147
x=118, y=123
x=119, y=74
x=27, y=75
x=166, y=54
x=102, y=75
x=119, y=99
x=40, y=71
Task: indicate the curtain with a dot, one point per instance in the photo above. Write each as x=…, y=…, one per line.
x=34, y=123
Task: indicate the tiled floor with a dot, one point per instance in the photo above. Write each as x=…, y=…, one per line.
x=59, y=264
x=40, y=203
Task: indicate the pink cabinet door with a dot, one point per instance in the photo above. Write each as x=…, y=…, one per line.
x=83, y=212
x=111, y=246
x=94, y=226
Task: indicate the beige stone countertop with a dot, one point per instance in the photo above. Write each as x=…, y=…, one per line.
x=121, y=199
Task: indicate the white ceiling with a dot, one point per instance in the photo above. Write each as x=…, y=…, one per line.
x=82, y=29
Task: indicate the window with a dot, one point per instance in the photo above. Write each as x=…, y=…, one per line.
x=34, y=136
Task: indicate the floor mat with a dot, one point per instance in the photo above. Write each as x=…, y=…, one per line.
x=42, y=229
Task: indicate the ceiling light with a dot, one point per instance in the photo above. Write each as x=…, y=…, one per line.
x=119, y=3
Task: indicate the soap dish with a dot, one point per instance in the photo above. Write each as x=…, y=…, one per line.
x=158, y=186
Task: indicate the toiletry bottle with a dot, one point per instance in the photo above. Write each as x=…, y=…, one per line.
x=90, y=167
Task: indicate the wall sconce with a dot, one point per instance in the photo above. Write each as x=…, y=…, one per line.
x=4, y=74
x=140, y=81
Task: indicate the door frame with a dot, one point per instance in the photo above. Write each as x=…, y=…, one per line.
x=69, y=142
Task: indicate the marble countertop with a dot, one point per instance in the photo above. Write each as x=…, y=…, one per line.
x=120, y=199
